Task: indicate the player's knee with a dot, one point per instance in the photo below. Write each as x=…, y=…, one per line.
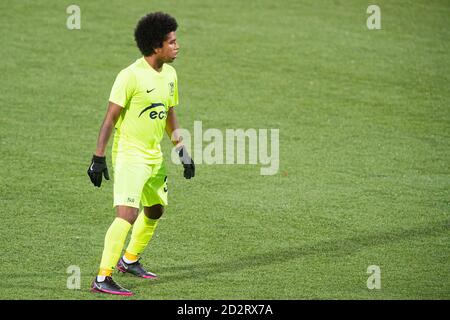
x=127, y=213
x=154, y=212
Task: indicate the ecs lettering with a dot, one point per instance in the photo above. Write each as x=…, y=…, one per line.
x=155, y=114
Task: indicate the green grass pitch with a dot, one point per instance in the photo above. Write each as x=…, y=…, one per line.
x=364, y=178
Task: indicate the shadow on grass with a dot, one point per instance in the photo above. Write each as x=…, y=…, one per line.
x=337, y=247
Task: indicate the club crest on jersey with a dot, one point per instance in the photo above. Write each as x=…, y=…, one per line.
x=171, y=88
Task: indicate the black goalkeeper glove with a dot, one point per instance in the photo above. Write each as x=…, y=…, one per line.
x=97, y=169
x=188, y=163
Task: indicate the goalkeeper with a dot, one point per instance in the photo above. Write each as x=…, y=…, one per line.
x=141, y=107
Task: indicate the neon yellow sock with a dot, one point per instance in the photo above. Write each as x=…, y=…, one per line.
x=130, y=257
x=105, y=272
x=143, y=229
x=114, y=242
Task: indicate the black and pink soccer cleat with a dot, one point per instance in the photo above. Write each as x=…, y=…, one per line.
x=135, y=269
x=109, y=286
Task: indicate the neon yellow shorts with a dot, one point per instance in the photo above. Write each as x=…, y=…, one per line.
x=139, y=183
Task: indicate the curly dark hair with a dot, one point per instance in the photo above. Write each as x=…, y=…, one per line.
x=152, y=30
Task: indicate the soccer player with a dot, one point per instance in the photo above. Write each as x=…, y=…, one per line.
x=141, y=107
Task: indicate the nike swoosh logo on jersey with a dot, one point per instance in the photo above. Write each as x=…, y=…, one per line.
x=148, y=91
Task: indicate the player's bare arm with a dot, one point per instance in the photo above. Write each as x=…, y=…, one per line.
x=98, y=167
x=177, y=140
x=172, y=127
x=107, y=127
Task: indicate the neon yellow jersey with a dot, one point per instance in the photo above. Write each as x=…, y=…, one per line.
x=146, y=96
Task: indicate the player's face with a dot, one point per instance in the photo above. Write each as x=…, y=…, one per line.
x=170, y=48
